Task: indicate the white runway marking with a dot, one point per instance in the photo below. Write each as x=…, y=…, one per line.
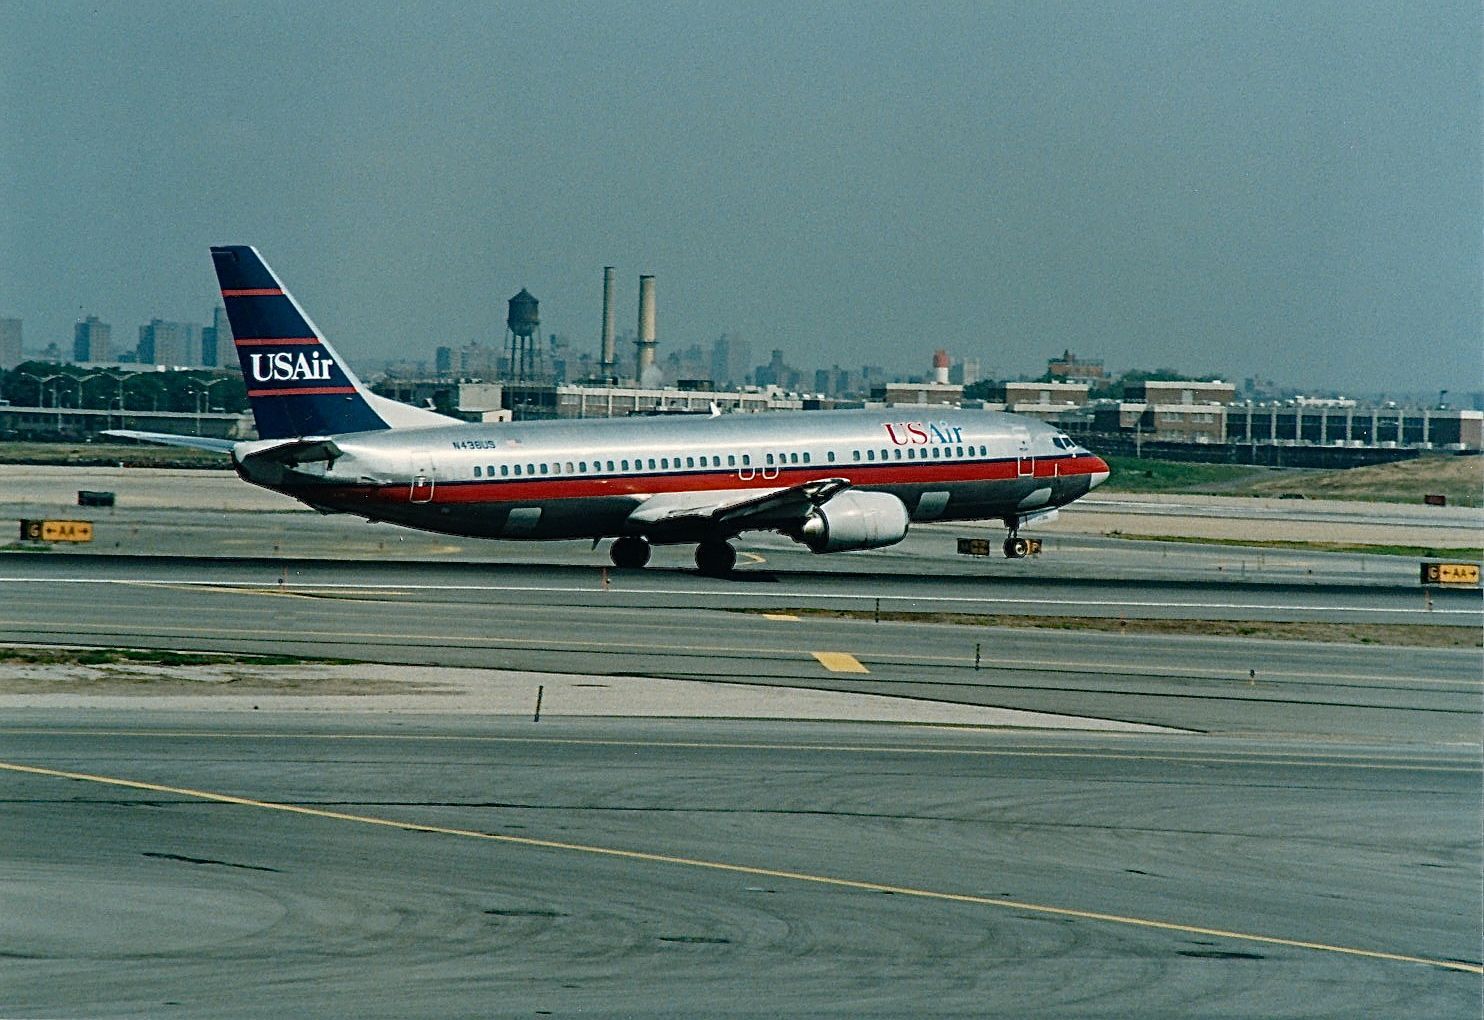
x=770, y=595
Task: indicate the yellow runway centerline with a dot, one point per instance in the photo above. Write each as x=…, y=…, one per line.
x=743, y=869
x=840, y=662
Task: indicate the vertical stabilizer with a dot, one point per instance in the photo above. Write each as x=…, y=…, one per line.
x=296, y=383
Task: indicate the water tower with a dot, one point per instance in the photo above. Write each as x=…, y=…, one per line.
x=523, y=347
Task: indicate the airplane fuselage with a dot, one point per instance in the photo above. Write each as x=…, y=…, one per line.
x=587, y=478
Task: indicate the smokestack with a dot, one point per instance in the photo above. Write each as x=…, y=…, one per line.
x=608, y=357
x=940, y=366
x=646, y=341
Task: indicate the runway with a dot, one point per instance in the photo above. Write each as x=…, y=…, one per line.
x=1299, y=837
x=642, y=626
x=392, y=867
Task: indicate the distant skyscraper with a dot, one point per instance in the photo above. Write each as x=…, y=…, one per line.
x=731, y=360
x=215, y=339
x=90, y=340
x=443, y=362
x=169, y=343
x=10, y=343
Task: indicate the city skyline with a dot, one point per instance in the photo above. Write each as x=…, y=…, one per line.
x=484, y=359
x=1280, y=190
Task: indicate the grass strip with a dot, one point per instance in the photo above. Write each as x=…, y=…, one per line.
x=17, y=656
x=1473, y=554
x=1412, y=635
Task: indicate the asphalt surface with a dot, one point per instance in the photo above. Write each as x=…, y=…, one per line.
x=1306, y=842
x=472, y=867
x=410, y=614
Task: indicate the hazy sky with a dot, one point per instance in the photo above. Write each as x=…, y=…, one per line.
x=1287, y=189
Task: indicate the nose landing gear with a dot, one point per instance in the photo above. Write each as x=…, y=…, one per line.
x=1016, y=548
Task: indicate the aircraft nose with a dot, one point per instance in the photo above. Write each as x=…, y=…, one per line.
x=1100, y=473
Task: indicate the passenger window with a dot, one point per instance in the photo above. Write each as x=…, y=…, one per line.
x=793, y=458
x=870, y=455
x=690, y=462
x=569, y=467
x=855, y=455
x=504, y=470
x=476, y=470
x=625, y=465
x=899, y=453
x=731, y=460
x=747, y=460
x=556, y=468
x=806, y=457
x=960, y=451
x=716, y=461
x=770, y=458
x=651, y=463
x=517, y=469
x=830, y=456
x=543, y=468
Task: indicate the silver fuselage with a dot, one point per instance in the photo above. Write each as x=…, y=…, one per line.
x=584, y=478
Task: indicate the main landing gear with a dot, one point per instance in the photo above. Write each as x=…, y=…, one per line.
x=629, y=552
x=715, y=558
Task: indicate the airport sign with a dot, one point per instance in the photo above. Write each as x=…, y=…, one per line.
x=1451, y=573
x=57, y=531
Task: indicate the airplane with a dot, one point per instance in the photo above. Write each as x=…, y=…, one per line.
x=831, y=480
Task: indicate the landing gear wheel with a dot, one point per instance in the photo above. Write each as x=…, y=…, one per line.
x=1016, y=548
x=715, y=559
x=629, y=552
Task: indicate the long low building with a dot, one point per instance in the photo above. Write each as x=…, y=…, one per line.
x=48, y=423
x=1294, y=425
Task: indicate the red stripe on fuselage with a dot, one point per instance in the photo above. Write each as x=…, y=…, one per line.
x=254, y=292
x=271, y=341
x=526, y=489
x=302, y=391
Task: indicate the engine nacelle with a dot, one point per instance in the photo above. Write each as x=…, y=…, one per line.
x=855, y=520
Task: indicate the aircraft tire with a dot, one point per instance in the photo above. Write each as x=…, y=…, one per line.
x=715, y=559
x=1016, y=548
x=629, y=552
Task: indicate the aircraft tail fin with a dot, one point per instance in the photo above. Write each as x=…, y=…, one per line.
x=296, y=383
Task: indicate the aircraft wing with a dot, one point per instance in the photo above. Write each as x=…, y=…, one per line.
x=687, y=516
x=170, y=439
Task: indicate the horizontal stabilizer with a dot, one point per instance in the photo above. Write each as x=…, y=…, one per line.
x=298, y=451
x=170, y=439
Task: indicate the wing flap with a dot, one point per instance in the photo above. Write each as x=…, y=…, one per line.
x=687, y=516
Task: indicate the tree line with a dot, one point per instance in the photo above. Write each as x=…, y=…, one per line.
x=47, y=384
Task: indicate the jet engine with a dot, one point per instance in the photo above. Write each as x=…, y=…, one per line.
x=855, y=520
